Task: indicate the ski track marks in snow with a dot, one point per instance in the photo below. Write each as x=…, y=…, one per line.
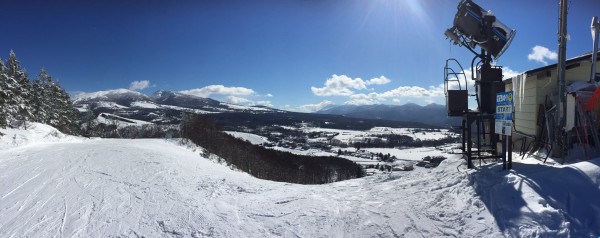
x=154, y=188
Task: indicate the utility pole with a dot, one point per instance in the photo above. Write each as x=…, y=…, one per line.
x=561, y=97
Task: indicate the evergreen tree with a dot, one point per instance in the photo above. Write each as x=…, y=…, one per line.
x=19, y=106
x=68, y=114
x=9, y=87
x=50, y=93
x=41, y=101
x=88, y=124
x=65, y=112
x=4, y=95
x=38, y=100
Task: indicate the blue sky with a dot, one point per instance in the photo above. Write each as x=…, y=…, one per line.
x=289, y=54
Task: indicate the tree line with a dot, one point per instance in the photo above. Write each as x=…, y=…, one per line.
x=265, y=163
x=41, y=100
x=393, y=141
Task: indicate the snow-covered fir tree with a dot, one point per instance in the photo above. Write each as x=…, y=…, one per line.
x=42, y=100
x=19, y=105
x=5, y=93
x=37, y=102
x=64, y=110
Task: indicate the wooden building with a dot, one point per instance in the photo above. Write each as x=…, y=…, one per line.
x=539, y=87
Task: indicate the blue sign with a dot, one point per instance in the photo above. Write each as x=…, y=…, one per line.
x=504, y=113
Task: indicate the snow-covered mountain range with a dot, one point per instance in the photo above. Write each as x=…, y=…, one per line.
x=166, y=107
x=162, y=107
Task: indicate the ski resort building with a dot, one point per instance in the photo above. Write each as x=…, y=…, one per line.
x=535, y=93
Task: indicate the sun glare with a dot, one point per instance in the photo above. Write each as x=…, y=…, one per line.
x=402, y=19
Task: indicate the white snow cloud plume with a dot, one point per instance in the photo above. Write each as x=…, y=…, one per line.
x=238, y=100
x=264, y=103
x=247, y=102
x=219, y=90
x=139, y=85
x=315, y=107
x=541, y=54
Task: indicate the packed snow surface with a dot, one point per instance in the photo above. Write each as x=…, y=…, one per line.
x=66, y=187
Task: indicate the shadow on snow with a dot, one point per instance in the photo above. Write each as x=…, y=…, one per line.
x=541, y=200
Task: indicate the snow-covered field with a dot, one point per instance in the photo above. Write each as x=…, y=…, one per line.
x=53, y=185
x=412, y=154
x=120, y=122
x=252, y=138
x=348, y=136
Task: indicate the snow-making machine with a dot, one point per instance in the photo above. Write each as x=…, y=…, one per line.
x=476, y=27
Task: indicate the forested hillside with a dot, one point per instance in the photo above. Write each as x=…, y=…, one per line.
x=41, y=100
x=264, y=163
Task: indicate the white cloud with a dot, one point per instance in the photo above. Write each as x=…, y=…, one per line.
x=342, y=85
x=381, y=80
x=238, y=100
x=345, y=86
x=339, y=85
x=269, y=95
x=264, y=103
x=220, y=90
x=359, y=102
x=247, y=102
x=414, y=91
x=509, y=73
x=396, y=94
x=139, y=85
x=541, y=54
x=470, y=84
x=315, y=107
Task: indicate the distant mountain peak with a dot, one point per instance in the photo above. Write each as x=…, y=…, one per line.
x=435, y=105
x=106, y=94
x=433, y=114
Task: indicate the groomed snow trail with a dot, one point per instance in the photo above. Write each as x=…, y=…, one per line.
x=153, y=188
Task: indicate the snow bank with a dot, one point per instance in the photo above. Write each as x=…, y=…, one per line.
x=34, y=134
x=153, y=188
x=542, y=200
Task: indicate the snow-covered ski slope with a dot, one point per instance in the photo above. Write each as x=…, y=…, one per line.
x=59, y=186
